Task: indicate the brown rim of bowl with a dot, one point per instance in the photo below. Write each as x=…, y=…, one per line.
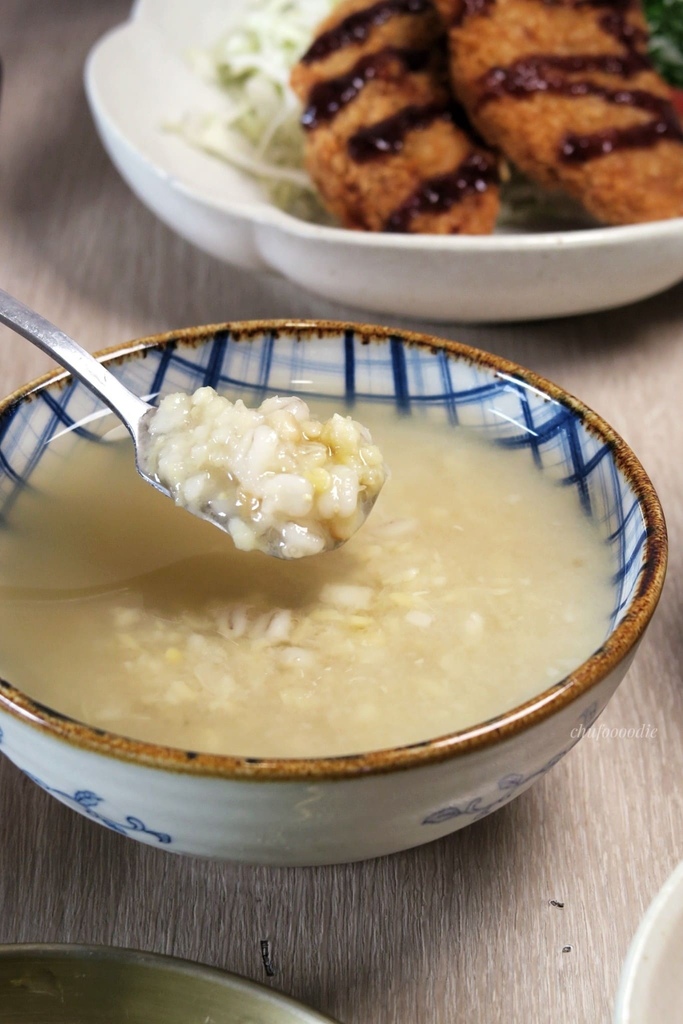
x=502, y=727
x=76, y=953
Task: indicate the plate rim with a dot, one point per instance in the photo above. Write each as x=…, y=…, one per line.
x=659, y=911
x=130, y=955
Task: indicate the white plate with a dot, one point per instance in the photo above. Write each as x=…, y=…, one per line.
x=651, y=987
x=137, y=79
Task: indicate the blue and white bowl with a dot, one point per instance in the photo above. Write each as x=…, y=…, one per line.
x=320, y=811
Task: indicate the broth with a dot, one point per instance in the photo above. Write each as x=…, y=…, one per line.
x=475, y=584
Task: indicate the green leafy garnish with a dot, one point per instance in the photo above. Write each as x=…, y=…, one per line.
x=665, y=18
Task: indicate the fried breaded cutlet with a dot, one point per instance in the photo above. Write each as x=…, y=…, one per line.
x=565, y=89
x=385, y=144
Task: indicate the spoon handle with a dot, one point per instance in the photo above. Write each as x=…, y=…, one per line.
x=76, y=360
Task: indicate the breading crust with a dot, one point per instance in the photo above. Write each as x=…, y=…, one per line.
x=566, y=91
x=386, y=146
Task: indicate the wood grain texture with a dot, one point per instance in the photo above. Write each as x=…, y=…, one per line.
x=458, y=931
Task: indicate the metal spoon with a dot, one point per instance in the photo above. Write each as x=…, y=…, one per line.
x=131, y=410
x=134, y=413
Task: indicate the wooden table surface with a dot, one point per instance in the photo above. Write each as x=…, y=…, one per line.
x=459, y=930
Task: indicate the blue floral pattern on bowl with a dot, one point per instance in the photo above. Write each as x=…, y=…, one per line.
x=89, y=803
x=508, y=786
x=512, y=783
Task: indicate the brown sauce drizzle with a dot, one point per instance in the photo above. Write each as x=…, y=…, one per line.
x=546, y=73
x=439, y=194
x=471, y=8
x=328, y=98
x=621, y=5
x=630, y=36
x=578, y=149
x=356, y=27
x=388, y=136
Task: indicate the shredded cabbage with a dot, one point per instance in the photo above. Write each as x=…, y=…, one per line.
x=258, y=129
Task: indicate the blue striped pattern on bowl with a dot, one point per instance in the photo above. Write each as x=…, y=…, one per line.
x=343, y=367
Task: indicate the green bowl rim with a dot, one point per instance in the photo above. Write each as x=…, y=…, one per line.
x=79, y=952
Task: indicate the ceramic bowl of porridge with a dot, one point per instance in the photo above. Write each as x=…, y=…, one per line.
x=69, y=984
x=223, y=703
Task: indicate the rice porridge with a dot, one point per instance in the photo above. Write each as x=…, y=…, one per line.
x=275, y=478
x=475, y=584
